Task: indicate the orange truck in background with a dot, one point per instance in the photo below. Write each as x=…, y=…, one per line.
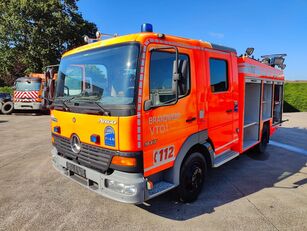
x=135, y=116
x=34, y=92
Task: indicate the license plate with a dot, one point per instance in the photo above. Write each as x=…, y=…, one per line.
x=76, y=169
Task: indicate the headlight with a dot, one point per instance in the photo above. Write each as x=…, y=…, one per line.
x=127, y=189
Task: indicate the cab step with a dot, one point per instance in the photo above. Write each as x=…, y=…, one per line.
x=159, y=188
x=224, y=157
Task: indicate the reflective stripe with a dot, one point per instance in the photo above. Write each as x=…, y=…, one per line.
x=225, y=145
x=252, y=69
x=26, y=94
x=140, y=97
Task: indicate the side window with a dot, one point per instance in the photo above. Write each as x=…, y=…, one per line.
x=160, y=77
x=218, y=75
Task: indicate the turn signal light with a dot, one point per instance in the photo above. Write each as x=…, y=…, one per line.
x=124, y=161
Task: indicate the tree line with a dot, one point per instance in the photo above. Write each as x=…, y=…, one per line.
x=34, y=34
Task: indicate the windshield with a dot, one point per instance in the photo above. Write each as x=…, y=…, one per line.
x=27, y=86
x=105, y=75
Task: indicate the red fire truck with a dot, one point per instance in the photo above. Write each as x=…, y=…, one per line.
x=137, y=115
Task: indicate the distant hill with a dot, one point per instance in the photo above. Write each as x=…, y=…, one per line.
x=295, y=96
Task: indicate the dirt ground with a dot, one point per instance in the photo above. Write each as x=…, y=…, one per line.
x=248, y=193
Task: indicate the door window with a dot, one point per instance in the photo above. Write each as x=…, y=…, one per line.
x=160, y=79
x=218, y=75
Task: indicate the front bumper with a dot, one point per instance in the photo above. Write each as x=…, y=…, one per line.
x=28, y=106
x=99, y=179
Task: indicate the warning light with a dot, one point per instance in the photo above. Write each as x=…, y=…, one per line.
x=146, y=27
x=95, y=139
x=57, y=129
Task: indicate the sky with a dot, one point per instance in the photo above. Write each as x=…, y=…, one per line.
x=270, y=26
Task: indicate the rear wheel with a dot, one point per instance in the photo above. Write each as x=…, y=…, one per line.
x=7, y=108
x=192, y=177
x=264, y=140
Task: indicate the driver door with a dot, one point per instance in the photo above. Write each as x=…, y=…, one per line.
x=167, y=125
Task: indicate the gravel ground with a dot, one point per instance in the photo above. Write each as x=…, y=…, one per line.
x=248, y=193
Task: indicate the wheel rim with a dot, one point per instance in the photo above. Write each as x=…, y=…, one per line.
x=194, y=180
x=7, y=107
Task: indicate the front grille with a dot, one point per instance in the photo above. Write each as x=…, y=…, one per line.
x=89, y=156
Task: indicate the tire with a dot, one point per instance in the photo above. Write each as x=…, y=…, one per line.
x=7, y=108
x=192, y=176
x=261, y=147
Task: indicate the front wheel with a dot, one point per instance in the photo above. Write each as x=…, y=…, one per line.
x=192, y=177
x=7, y=108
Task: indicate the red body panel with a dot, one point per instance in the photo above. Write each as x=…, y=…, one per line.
x=225, y=129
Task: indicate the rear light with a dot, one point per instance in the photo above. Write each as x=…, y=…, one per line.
x=52, y=139
x=124, y=161
x=57, y=129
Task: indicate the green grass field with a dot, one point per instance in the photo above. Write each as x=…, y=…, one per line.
x=295, y=97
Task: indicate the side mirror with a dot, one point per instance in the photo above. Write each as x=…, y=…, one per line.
x=153, y=102
x=179, y=75
x=147, y=105
x=175, y=77
x=249, y=51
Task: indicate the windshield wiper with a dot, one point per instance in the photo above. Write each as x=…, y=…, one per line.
x=65, y=105
x=90, y=100
x=65, y=101
x=104, y=111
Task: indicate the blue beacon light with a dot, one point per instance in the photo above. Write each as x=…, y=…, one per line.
x=146, y=27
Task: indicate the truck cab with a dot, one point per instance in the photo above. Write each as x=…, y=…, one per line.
x=27, y=93
x=36, y=91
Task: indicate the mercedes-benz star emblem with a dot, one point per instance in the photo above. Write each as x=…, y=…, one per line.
x=75, y=144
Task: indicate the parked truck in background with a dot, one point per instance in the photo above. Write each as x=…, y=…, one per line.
x=34, y=92
x=135, y=116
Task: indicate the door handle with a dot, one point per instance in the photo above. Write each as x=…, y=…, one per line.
x=229, y=110
x=191, y=119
